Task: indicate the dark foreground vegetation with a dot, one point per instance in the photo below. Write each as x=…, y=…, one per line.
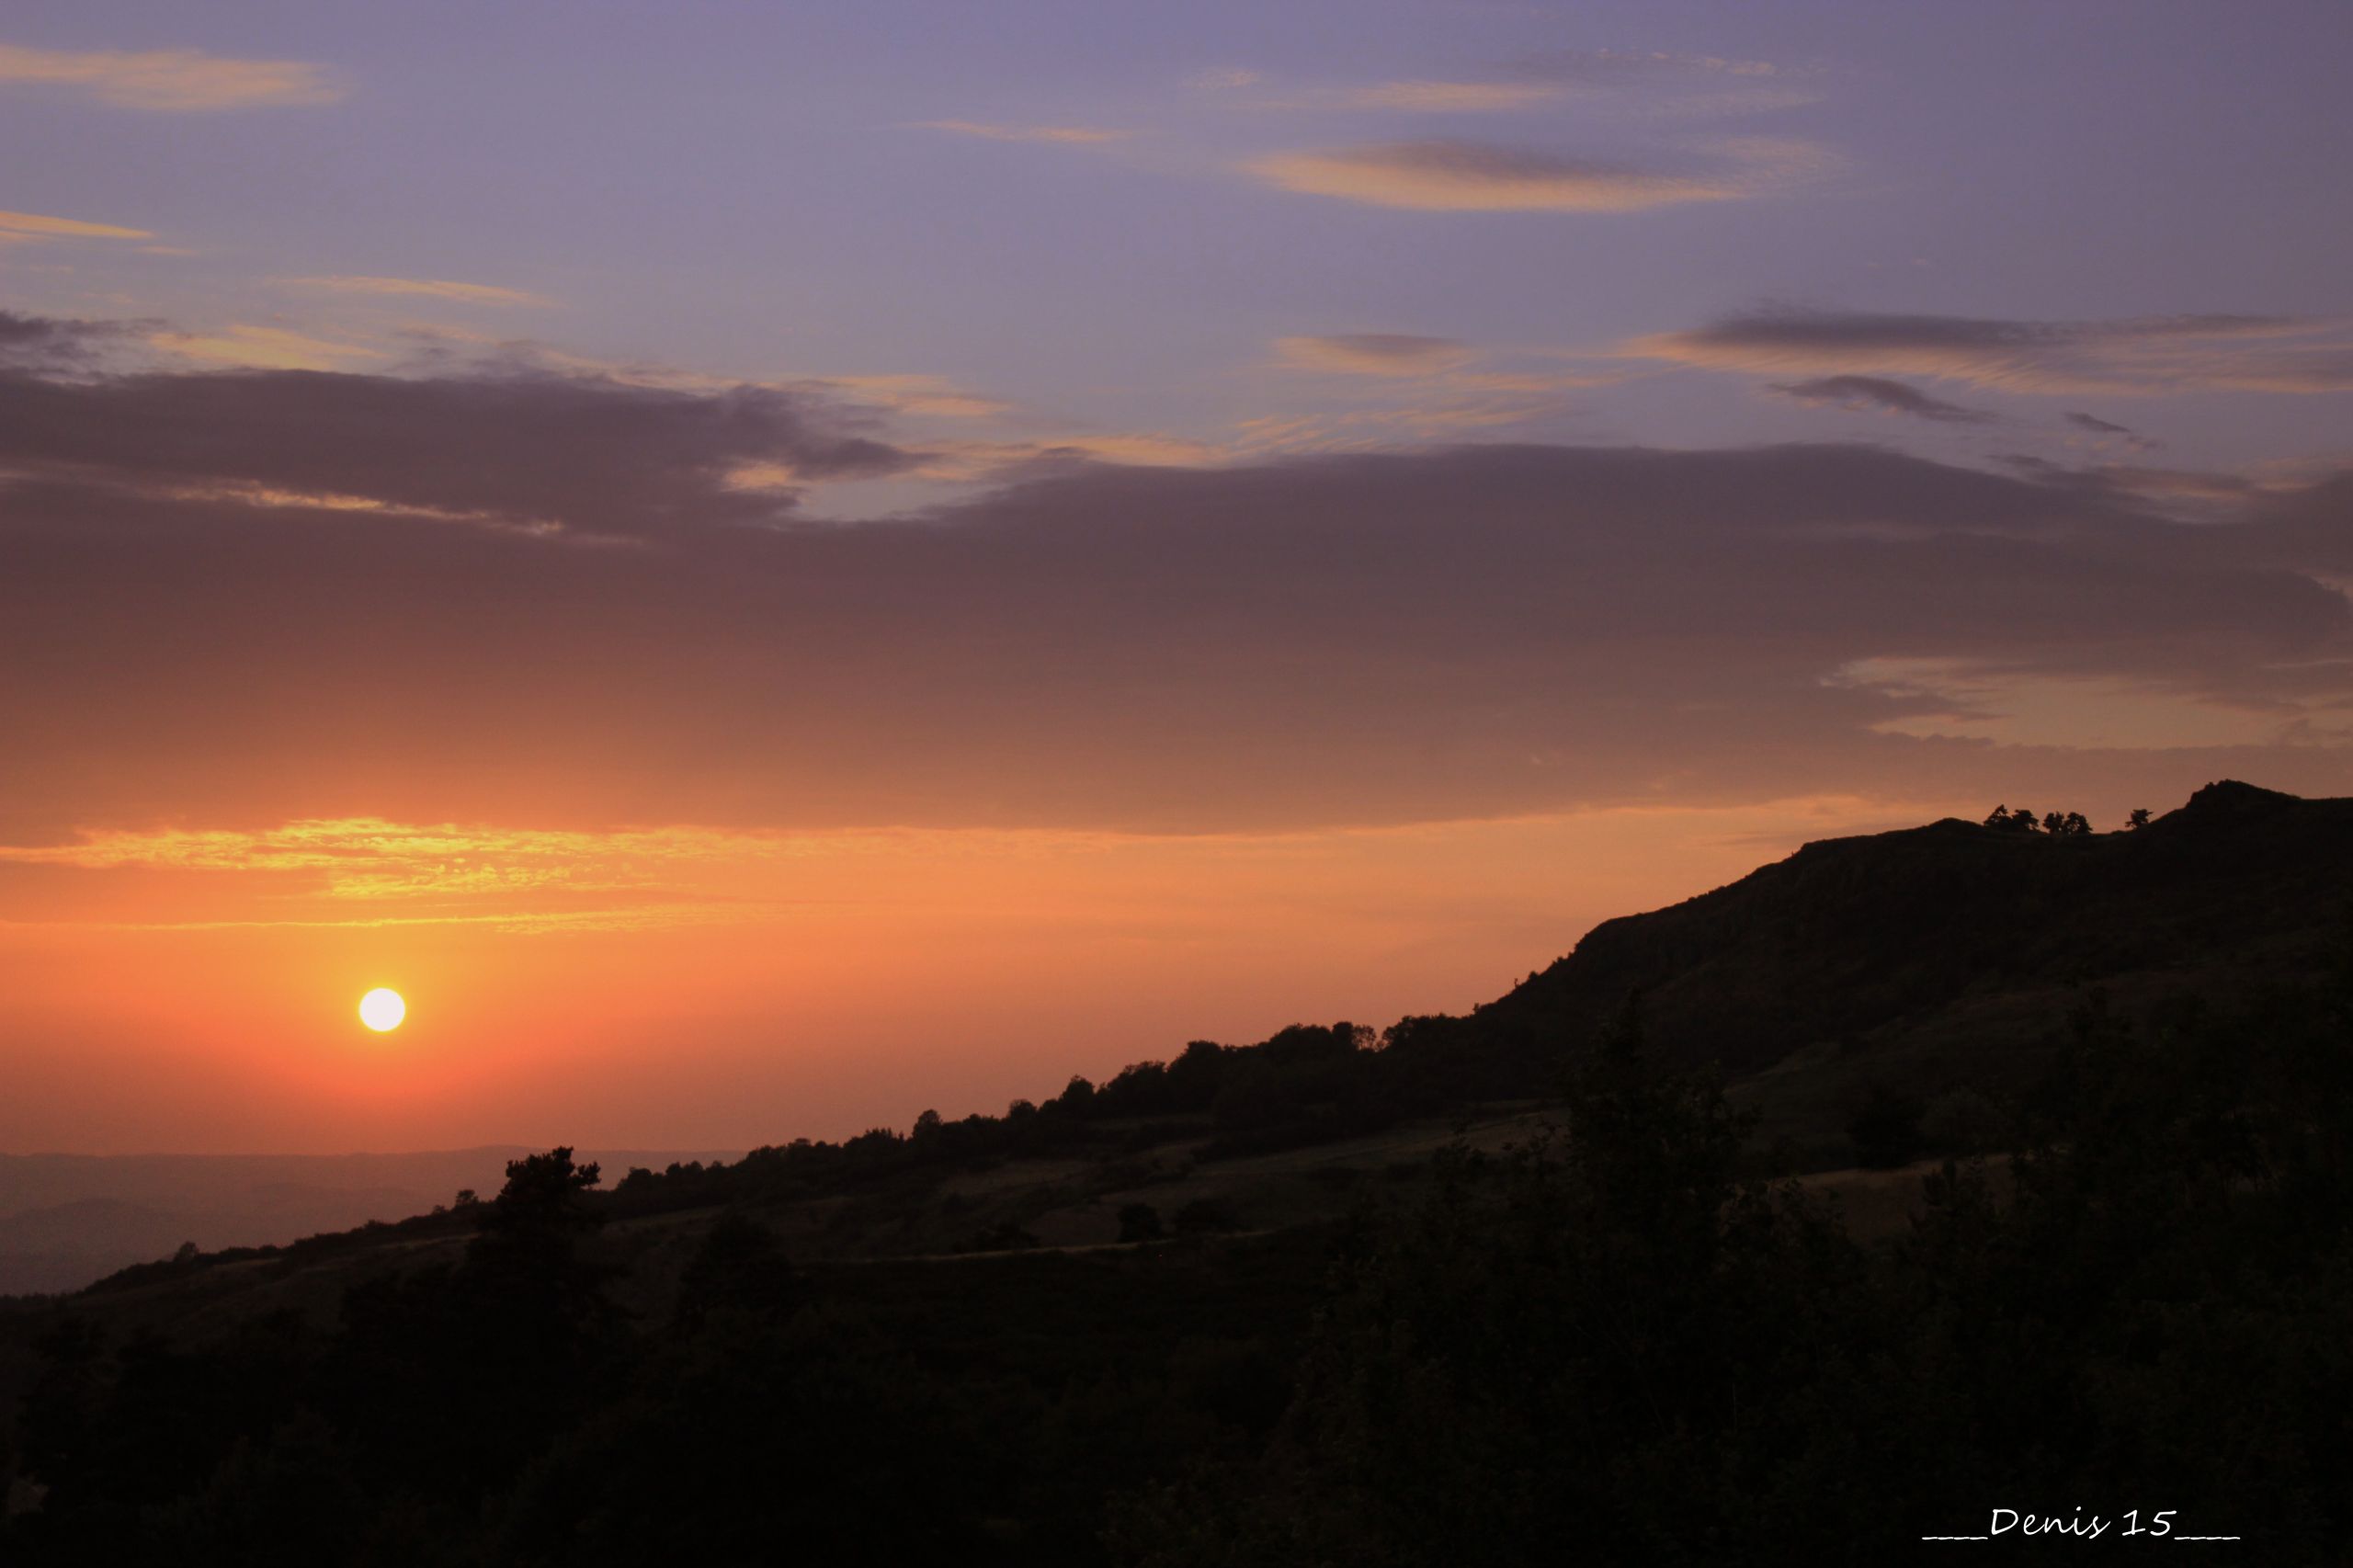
x=1615, y=1342
x=1602, y=1339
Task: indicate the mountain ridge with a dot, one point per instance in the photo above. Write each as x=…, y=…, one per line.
x=1868, y=940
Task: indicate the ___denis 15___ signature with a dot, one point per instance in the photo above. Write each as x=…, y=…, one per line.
x=2159, y=1526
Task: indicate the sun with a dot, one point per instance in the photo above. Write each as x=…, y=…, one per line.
x=382, y=1009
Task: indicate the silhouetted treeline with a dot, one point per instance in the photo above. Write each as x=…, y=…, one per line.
x=1306, y=1083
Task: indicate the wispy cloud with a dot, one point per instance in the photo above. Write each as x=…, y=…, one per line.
x=1372, y=353
x=16, y=226
x=921, y=395
x=1871, y=395
x=2141, y=355
x=1447, y=176
x=51, y=346
x=1614, y=64
x=427, y=288
x=1452, y=98
x=1377, y=389
x=372, y=857
x=173, y=79
x=2100, y=433
x=265, y=348
x=1641, y=85
x=238, y=493
x=1076, y=136
x=1656, y=81
x=963, y=462
x=2207, y=495
x=368, y=871
x=1985, y=700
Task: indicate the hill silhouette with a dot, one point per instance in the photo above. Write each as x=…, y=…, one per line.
x=1877, y=940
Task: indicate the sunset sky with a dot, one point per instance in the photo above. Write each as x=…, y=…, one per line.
x=770, y=567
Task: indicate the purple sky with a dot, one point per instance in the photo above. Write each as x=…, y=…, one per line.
x=768, y=191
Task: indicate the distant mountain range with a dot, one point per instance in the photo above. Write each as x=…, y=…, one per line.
x=67, y=1220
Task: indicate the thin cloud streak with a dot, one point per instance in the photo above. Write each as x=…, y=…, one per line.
x=2138, y=356
x=1074, y=135
x=424, y=288
x=1873, y=394
x=1473, y=176
x=1372, y=353
x=36, y=226
x=173, y=81
x=1604, y=65
x=1452, y=98
x=265, y=348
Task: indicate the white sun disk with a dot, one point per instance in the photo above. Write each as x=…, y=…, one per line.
x=382, y=1009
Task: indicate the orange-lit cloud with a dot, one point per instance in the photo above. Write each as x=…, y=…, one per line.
x=424, y=288
x=265, y=348
x=35, y=226
x=173, y=79
x=1472, y=176
x=469, y=873
x=1373, y=353
x=1379, y=389
x=920, y=394
x=237, y=493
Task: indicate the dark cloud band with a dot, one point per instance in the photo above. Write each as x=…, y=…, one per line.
x=1345, y=640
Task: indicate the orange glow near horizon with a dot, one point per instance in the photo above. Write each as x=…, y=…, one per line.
x=698, y=987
